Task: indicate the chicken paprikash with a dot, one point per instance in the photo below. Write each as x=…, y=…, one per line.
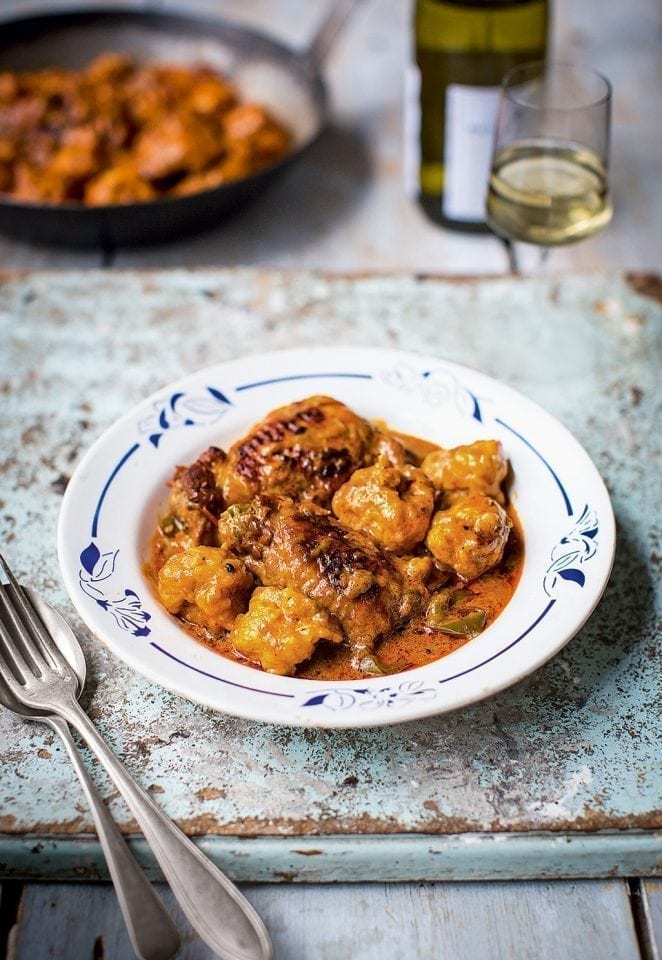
x=123, y=132
x=321, y=545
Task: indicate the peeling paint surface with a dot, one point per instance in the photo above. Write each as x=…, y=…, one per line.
x=575, y=747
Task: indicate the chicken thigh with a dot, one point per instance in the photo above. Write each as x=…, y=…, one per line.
x=302, y=545
x=306, y=449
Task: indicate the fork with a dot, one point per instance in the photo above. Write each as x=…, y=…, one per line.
x=39, y=676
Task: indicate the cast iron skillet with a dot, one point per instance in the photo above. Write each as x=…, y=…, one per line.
x=288, y=83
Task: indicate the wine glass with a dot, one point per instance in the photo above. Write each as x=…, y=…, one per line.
x=548, y=183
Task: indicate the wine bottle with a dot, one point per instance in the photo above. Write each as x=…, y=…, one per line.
x=463, y=49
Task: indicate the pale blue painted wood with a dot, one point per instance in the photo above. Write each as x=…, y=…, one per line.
x=497, y=921
x=354, y=858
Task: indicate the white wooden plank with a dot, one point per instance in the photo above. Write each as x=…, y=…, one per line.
x=517, y=921
x=651, y=901
x=70, y=922
x=496, y=921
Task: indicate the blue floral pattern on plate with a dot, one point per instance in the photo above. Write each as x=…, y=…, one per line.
x=572, y=551
x=340, y=698
x=97, y=568
x=439, y=388
x=184, y=410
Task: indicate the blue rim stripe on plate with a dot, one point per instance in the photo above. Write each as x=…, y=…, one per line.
x=212, y=676
x=303, y=376
x=565, y=496
x=504, y=649
x=102, y=497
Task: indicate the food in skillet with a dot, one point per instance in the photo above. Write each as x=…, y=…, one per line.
x=323, y=546
x=122, y=132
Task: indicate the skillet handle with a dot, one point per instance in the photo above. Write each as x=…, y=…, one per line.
x=328, y=30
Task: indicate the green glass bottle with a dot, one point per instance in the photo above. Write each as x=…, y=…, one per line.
x=463, y=50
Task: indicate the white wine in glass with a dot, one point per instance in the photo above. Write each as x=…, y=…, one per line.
x=548, y=183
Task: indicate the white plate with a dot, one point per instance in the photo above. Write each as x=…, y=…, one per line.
x=111, y=504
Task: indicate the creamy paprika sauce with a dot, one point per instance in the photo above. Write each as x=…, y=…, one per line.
x=410, y=646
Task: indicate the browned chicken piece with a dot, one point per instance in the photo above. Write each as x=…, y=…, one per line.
x=478, y=467
x=282, y=628
x=302, y=545
x=211, y=95
x=77, y=156
x=194, y=505
x=8, y=87
x=237, y=161
x=306, y=449
x=207, y=180
x=469, y=538
x=154, y=91
x=30, y=183
x=206, y=586
x=108, y=68
x=120, y=184
x=50, y=83
x=7, y=156
x=20, y=117
x=36, y=150
x=7, y=150
x=174, y=145
x=268, y=145
x=244, y=121
x=391, y=504
x=249, y=125
x=147, y=100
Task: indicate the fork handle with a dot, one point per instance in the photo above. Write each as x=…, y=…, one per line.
x=214, y=906
x=151, y=929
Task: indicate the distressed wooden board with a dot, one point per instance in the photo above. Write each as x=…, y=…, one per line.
x=520, y=921
x=355, y=858
x=570, y=749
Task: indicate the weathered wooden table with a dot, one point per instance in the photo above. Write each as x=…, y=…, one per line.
x=522, y=827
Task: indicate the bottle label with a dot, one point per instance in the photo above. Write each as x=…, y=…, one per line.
x=471, y=114
x=412, y=131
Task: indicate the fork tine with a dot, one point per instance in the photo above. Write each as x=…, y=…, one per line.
x=14, y=634
x=24, y=617
x=13, y=668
